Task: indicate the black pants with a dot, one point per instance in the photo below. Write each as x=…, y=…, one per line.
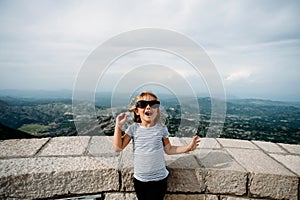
x=152, y=190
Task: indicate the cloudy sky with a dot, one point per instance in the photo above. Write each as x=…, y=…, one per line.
x=254, y=45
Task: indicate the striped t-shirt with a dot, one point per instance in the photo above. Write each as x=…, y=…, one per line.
x=148, y=151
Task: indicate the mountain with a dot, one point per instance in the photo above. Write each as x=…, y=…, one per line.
x=37, y=94
x=263, y=102
x=9, y=133
x=249, y=119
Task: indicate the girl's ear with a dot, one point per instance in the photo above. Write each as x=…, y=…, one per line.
x=136, y=111
x=137, y=117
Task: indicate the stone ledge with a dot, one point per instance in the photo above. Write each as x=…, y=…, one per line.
x=45, y=177
x=82, y=165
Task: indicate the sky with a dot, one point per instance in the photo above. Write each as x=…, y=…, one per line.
x=254, y=45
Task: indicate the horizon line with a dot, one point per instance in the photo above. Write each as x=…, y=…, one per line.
x=19, y=93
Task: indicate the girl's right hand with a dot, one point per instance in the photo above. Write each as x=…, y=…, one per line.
x=121, y=119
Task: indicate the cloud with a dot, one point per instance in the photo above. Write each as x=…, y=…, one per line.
x=55, y=37
x=239, y=75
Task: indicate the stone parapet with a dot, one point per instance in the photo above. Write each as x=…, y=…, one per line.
x=68, y=167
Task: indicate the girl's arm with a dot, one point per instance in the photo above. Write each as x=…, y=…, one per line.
x=119, y=141
x=169, y=149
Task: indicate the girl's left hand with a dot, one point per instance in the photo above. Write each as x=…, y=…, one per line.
x=194, y=143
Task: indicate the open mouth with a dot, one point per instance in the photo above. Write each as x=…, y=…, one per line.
x=148, y=113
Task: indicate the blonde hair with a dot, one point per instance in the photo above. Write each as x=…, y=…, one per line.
x=137, y=118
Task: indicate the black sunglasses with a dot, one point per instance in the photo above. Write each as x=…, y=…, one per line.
x=144, y=104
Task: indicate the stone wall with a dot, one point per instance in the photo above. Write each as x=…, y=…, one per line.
x=72, y=167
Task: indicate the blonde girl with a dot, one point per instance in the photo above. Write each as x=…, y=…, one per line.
x=150, y=141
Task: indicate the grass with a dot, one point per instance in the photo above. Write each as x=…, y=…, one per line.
x=33, y=129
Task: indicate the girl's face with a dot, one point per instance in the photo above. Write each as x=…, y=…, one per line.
x=147, y=114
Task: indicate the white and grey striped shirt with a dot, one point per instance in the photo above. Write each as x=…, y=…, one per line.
x=148, y=151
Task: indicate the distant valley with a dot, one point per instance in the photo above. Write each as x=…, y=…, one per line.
x=249, y=119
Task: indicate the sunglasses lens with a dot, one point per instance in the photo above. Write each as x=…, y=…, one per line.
x=155, y=105
x=141, y=104
x=144, y=104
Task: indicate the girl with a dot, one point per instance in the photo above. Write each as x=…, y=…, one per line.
x=150, y=141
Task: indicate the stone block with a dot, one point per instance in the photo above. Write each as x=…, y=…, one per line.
x=267, y=177
x=233, y=143
x=120, y=196
x=102, y=146
x=236, y=198
x=290, y=161
x=47, y=177
x=273, y=186
x=211, y=197
x=185, y=174
x=209, y=143
x=125, y=166
x=269, y=147
x=205, y=143
x=223, y=175
x=258, y=162
x=21, y=147
x=66, y=146
x=190, y=197
x=225, y=182
x=175, y=141
x=83, y=197
x=292, y=148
